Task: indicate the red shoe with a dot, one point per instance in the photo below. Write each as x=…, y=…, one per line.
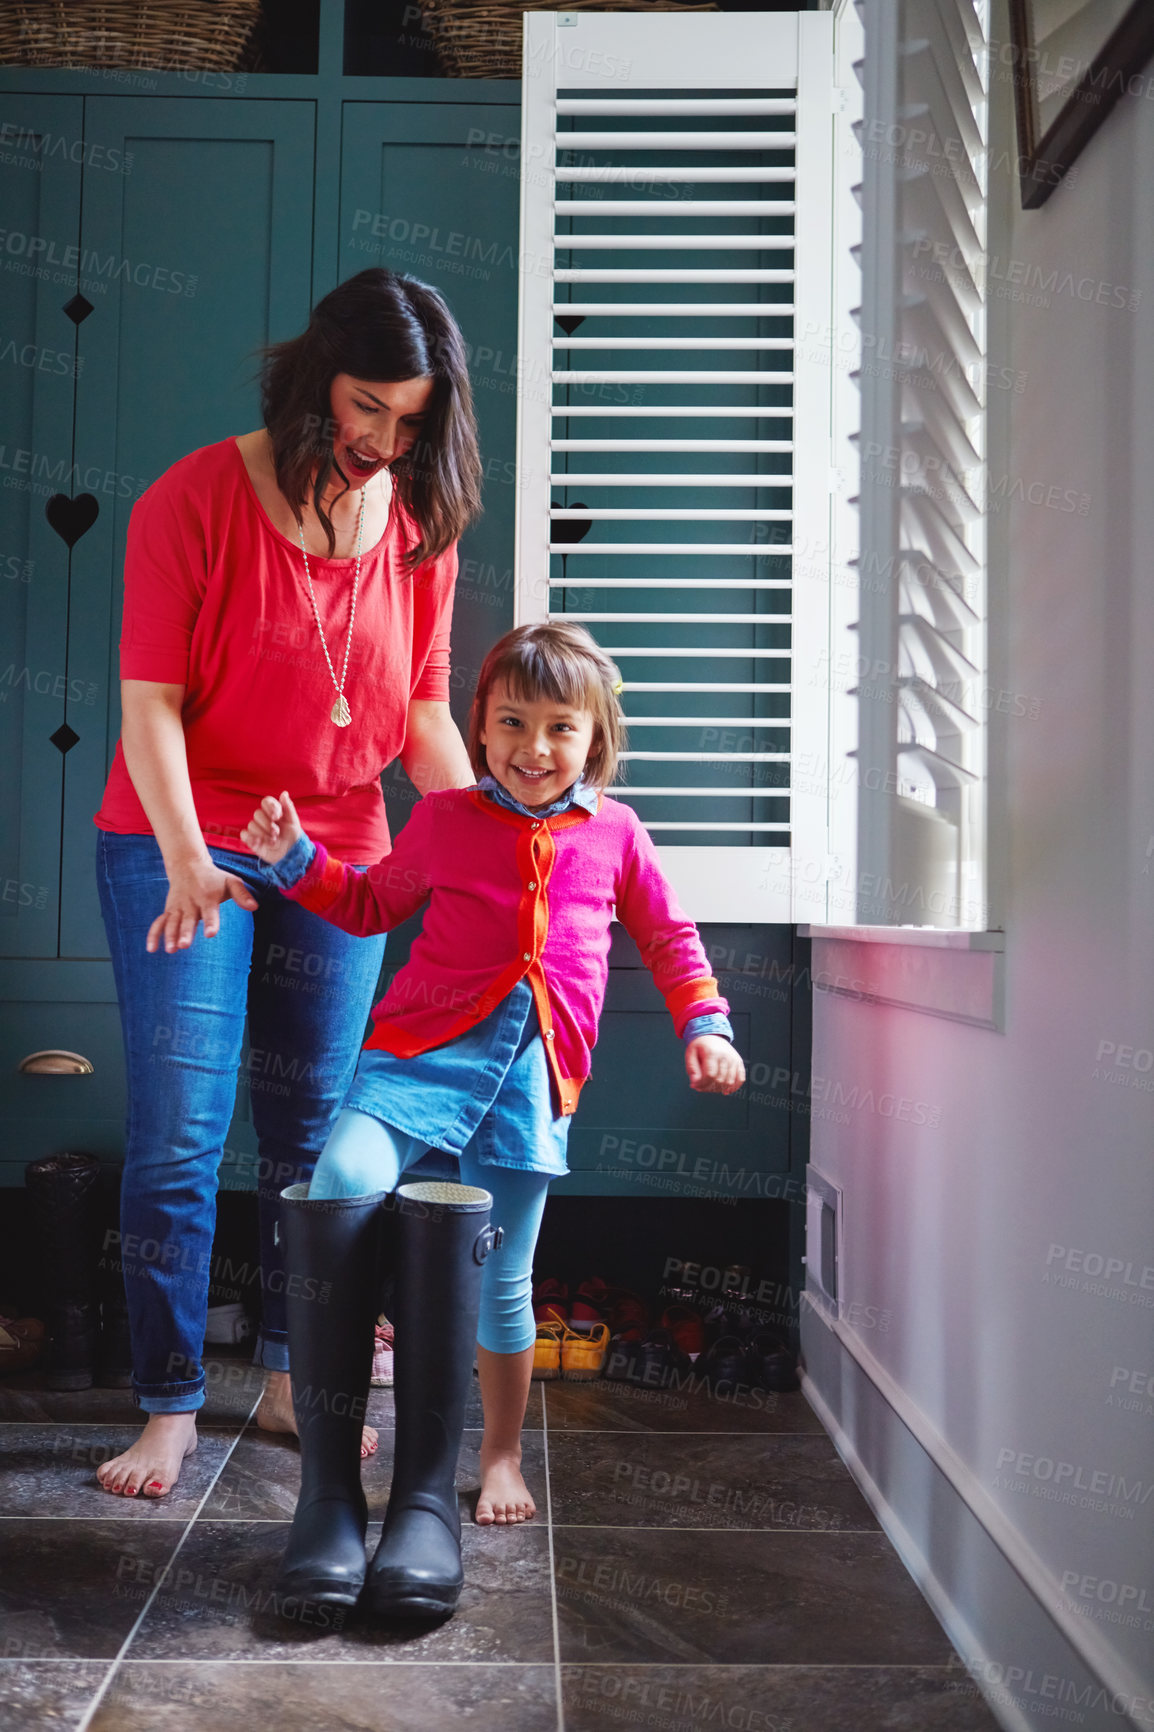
x=628, y=1314
x=685, y=1326
x=591, y=1306
x=551, y=1302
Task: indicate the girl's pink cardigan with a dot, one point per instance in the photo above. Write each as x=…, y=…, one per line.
x=512, y=897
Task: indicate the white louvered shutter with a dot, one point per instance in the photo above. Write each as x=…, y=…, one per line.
x=921, y=633
x=673, y=439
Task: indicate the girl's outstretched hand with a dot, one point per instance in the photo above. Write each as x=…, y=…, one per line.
x=713, y=1065
x=273, y=828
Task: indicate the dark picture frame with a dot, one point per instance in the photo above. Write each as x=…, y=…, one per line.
x=1045, y=160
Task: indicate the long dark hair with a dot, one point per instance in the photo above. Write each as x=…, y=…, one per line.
x=378, y=326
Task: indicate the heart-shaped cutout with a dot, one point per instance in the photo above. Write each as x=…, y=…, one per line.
x=72, y=518
x=570, y=528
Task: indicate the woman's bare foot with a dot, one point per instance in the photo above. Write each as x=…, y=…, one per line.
x=275, y=1412
x=504, y=1497
x=151, y=1465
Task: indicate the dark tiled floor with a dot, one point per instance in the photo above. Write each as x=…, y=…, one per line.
x=694, y=1561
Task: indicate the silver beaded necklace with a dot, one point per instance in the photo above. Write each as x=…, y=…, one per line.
x=340, y=714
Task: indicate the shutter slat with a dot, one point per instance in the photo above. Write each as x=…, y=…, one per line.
x=672, y=276
x=672, y=243
x=595, y=478
x=662, y=514
x=636, y=174
x=919, y=511
x=731, y=207
x=668, y=411
x=945, y=772
x=738, y=139
x=947, y=654
x=640, y=445
x=703, y=105
x=674, y=582
x=694, y=652
x=675, y=309
x=694, y=343
x=698, y=548
x=698, y=619
x=701, y=721
x=936, y=704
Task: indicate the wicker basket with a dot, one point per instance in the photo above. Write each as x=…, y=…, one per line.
x=482, y=38
x=163, y=35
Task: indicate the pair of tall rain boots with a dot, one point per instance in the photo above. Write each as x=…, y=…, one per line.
x=436, y=1237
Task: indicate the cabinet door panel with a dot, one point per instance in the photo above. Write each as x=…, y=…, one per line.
x=41, y=146
x=416, y=199
x=201, y=252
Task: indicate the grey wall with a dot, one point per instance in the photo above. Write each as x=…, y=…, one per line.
x=997, y=1270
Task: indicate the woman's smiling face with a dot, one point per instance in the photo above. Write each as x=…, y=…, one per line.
x=375, y=423
x=535, y=748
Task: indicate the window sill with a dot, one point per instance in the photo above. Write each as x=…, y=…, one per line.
x=925, y=937
x=938, y=972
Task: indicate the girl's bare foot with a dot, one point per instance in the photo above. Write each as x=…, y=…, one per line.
x=151, y=1465
x=505, y=1497
x=275, y=1412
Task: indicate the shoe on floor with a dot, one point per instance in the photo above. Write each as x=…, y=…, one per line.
x=547, y=1351
x=686, y=1328
x=382, y=1373
x=771, y=1364
x=725, y=1364
x=21, y=1343
x=225, y=1325
x=591, y=1305
x=583, y=1355
x=628, y=1314
x=658, y=1360
x=551, y=1302
x=621, y=1364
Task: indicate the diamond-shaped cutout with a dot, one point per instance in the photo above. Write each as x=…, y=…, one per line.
x=78, y=309
x=568, y=322
x=64, y=738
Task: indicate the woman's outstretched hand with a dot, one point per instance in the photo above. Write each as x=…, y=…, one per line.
x=273, y=829
x=713, y=1065
x=195, y=893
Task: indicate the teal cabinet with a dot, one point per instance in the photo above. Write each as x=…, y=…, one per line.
x=41, y=150
x=192, y=262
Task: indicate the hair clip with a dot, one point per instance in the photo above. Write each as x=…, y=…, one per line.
x=618, y=688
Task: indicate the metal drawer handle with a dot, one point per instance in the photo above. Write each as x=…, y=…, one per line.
x=55, y=1061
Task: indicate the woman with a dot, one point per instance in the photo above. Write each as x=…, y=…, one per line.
x=288, y=596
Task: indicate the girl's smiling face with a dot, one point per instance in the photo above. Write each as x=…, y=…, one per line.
x=535, y=748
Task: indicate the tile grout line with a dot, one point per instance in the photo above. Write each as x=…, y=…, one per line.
x=552, y=1569
x=118, y=1660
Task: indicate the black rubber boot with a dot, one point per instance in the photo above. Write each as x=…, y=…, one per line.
x=443, y=1238
x=332, y=1250
x=63, y=1190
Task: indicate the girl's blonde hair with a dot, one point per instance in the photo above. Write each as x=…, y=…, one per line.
x=559, y=660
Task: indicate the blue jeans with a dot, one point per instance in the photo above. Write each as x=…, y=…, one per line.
x=307, y=989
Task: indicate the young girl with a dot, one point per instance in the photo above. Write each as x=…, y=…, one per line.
x=482, y=1043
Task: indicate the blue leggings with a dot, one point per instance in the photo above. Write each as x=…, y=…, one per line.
x=364, y=1155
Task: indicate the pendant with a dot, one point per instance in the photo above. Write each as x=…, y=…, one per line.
x=340, y=712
